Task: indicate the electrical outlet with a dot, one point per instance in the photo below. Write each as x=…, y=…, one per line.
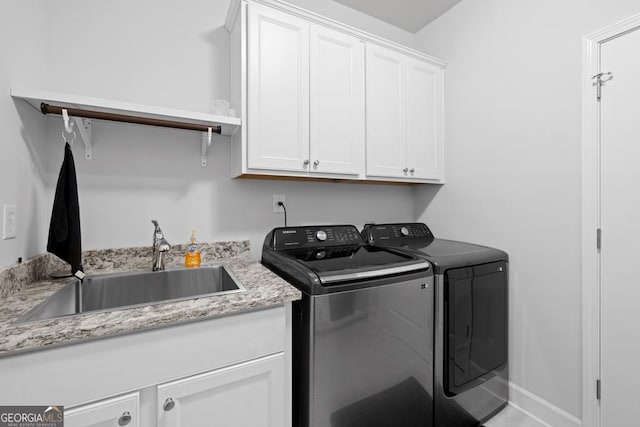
x=278, y=198
x=9, y=222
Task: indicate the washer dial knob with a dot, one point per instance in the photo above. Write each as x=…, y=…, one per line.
x=404, y=231
x=321, y=235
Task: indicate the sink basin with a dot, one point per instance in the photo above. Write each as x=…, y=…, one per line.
x=107, y=292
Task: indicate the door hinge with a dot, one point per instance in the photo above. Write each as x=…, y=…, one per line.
x=598, y=389
x=600, y=79
x=599, y=238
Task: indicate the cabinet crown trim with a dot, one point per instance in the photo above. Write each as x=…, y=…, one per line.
x=234, y=8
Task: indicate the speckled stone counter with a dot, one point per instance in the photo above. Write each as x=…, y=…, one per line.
x=25, y=286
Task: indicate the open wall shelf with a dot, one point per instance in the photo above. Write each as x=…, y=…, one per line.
x=126, y=109
x=82, y=109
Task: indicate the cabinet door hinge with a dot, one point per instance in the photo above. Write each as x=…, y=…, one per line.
x=600, y=79
x=599, y=238
x=598, y=389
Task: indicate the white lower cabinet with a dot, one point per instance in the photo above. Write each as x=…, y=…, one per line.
x=118, y=411
x=222, y=397
x=230, y=371
x=219, y=397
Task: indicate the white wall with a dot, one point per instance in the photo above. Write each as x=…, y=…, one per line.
x=22, y=61
x=513, y=94
x=157, y=53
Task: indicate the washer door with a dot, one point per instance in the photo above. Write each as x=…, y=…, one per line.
x=370, y=358
x=475, y=324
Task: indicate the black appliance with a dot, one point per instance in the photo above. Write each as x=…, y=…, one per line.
x=470, y=322
x=362, y=333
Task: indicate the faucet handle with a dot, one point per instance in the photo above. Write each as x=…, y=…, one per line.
x=157, y=232
x=163, y=246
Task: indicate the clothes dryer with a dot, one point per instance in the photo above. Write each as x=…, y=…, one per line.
x=470, y=321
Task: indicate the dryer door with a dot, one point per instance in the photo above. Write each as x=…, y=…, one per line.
x=475, y=324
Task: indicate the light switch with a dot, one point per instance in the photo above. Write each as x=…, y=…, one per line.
x=9, y=222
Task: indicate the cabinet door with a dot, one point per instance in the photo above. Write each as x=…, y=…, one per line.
x=248, y=394
x=386, y=112
x=425, y=155
x=337, y=102
x=119, y=411
x=278, y=90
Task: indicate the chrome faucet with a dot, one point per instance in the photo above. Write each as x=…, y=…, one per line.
x=160, y=246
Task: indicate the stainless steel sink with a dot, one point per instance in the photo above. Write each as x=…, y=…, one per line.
x=107, y=292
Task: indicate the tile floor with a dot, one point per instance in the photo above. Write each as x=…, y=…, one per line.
x=513, y=417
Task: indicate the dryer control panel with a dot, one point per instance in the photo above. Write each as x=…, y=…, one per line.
x=390, y=233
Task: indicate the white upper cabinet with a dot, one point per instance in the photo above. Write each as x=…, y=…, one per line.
x=305, y=96
x=425, y=133
x=337, y=102
x=278, y=90
x=386, y=112
x=404, y=116
x=323, y=100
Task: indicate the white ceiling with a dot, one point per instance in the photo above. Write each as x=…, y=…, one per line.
x=410, y=15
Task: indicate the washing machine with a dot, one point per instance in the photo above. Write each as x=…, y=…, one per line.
x=471, y=369
x=362, y=332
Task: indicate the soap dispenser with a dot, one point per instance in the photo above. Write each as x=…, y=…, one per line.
x=192, y=258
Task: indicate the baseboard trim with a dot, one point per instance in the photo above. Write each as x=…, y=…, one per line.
x=539, y=409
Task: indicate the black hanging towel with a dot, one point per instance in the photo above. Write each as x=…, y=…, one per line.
x=64, y=229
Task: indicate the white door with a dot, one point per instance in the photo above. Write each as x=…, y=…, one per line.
x=620, y=224
x=425, y=134
x=248, y=394
x=119, y=411
x=386, y=104
x=277, y=90
x=337, y=102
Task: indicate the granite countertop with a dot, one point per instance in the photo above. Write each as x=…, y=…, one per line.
x=26, y=285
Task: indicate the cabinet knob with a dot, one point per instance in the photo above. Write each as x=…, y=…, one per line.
x=306, y=162
x=412, y=170
x=316, y=163
x=405, y=170
x=168, y=404
x=124, y=419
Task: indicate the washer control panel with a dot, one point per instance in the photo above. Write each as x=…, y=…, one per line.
x=387, y=233
x=316, y=236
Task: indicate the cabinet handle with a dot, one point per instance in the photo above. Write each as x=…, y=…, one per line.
x=405, y=170
x=168, y=404
x=316, y=163
x=124, y=419
x=306, y=162
x=412, y=170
